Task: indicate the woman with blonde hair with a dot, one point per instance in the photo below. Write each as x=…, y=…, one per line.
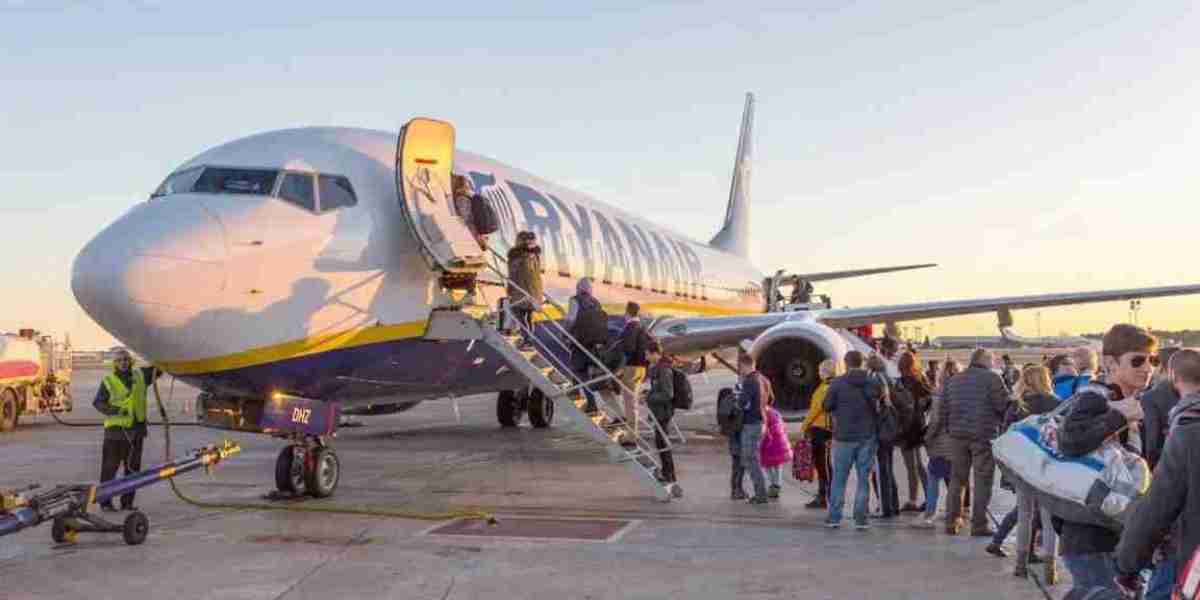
x=818, y=427
x=1034, y=396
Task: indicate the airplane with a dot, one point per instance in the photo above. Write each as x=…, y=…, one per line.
x=292, y=274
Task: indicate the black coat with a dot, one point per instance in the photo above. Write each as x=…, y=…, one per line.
x=1157, y=403
x=1170, y=501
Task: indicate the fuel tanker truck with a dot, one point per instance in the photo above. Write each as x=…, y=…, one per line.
x=35, y=377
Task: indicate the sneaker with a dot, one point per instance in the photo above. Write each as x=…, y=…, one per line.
x=832, y=524
x=862, y=526
x=738, y=495
x=817, y=504
x=995, y=550
x=773, y=492
x=758, y=500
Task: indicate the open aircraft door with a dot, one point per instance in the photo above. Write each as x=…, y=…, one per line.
x=424, y=157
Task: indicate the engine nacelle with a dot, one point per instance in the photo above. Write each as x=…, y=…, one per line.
x=789, y=354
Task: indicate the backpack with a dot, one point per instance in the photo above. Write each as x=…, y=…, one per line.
x=483, y=217
x=729, y=412
x=887, y=420
x=591, y=324
x=906, y=407
x=682, y=400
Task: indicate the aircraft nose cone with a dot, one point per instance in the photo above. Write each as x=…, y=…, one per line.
x=152, y=270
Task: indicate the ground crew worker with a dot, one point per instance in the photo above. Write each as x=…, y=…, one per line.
x=122, y=397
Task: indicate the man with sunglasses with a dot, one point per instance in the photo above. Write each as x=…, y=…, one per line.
x=1100, y=413
x=122, y=398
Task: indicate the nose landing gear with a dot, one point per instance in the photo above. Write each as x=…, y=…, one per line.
x=307, y=466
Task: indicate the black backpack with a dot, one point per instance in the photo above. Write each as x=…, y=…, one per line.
x=906, y=407
x=591, y=324
x=729, y=412
x=682, y=400
x=483, y=216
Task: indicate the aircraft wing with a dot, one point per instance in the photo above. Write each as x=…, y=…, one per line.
x=829, y=275
x=702, y=334
x=854, y=317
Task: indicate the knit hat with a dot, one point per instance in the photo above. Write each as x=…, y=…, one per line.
x=584, y=286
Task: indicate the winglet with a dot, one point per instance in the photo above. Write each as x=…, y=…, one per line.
x=734, y=236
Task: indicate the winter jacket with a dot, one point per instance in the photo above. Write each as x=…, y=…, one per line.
x=1089, y=422
x=774, y=449
x=974, y=403
x=1170, y=501
x=1157, y=403
x=817, y=417
x=525, y=271
x=633, y=341
x=851, y=402
x=1065, y=386
x=937, y=437
x=1036, y=403
x=662, y=391
x=921, y=393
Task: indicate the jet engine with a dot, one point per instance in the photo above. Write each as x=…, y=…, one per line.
x=789, y=354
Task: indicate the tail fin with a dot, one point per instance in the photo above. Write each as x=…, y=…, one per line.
x=734, y=236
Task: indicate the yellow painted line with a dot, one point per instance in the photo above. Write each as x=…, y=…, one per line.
x=304, y=347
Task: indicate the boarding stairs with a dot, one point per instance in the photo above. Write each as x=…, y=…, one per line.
x=544, y=362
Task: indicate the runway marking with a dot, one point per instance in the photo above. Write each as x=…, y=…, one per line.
x=537, y=529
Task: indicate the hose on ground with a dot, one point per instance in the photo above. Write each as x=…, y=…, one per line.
x=465, y=514
x=65, y=423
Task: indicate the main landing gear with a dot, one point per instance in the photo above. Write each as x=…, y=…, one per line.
x=512, y=405
x=307, y=466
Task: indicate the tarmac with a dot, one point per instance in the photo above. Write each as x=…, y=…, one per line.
x=572, y=525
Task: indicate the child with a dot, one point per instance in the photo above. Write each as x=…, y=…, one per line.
x=775, y=451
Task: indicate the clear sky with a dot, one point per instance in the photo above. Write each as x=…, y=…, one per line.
x=1025, y=147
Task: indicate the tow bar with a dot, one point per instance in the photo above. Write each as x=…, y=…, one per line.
x=72, y=508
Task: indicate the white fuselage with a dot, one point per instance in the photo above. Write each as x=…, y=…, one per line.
x=244, y=293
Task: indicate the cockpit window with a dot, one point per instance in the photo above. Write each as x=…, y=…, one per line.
x=297, y=188
x=335, y=192
x=179, y=181
x=224, y=180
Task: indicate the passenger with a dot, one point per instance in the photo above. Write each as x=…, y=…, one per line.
x=1010, y=372
x=850, y=402
x=819, y=430
x=889, y=493
x=1157, y=403
x=890, y=349
x=1169, y=506
x=775, y=450
x=633, y=341
x=973, y=407
x=1100, y=413
x=587, y=322
x=1066, y=377
x=912, y=438
x=1088, y=363
x=122, y=398
x=737, y=472
x=525, y=292
x=660, y=400
x=937, y=445
x=756, y=394
x=932, y=374
x=1034, y=396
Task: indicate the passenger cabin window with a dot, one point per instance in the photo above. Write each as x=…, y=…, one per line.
x=297, y=188
x=223, y=180
x=177, y=182
x=335, y=192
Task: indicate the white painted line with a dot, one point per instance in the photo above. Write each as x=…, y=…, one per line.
x=429, y=530
x=616, y=537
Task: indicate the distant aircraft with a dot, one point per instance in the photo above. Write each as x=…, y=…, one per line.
x=294, y=271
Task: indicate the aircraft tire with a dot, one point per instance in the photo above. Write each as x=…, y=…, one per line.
x=289, y=473
x=322, y=480
x=541, y=410
x=508, y=409
x=8, y=410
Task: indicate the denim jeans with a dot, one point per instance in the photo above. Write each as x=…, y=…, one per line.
x=1092, y=570
x=775, y=475
x=752, y=434
x=1162, y=581
x=861, y=456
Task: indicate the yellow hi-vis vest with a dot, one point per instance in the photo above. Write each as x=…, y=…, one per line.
x=131, y=403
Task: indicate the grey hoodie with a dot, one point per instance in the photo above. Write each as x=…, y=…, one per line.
x=851, y=401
